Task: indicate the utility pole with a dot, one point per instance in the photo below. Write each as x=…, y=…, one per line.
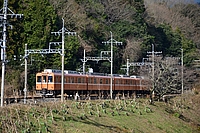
x=84, y=62
x=25, y=68
x=127, y=67
x=26, y=81
x=153, y=55
x=153, y=67
x=4, y=18
x=63, y=31
x=111, y=42
x=182, y=70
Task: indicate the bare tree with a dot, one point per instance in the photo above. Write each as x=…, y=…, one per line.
x=132, y=50
x=167, y=76
x=176, y=14
x=168, y=2
x=118, y=10
x=72, y=12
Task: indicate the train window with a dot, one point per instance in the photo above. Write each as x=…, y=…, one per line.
x=106, y=81
x=57, y=79
x=79, y=80
x=83, y=80
x=137, y=83
x=117, y=81
x=134, y=82
x=127, y=81
x=50, y=79
x=95, y=80
x=101, y=81
x=44, y=79
x=121, y=81
x=90, y=80
x=72, y=80
x=39, y=78
x=131, y=82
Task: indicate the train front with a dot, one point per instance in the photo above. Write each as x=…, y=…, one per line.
x=45, y=83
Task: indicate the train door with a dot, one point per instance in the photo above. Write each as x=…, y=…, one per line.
x=117, y=83
x=38, y=82
x=50, y=84
x=44, y=82
x=90, y=83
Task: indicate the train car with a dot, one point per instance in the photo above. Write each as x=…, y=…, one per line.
x=48, y=83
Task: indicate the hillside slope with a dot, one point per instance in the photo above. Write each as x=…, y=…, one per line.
x=180, y=115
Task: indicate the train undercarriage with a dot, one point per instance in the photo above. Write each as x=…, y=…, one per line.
x=95, y=94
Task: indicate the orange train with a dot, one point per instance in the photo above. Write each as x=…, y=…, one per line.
x=48, y=83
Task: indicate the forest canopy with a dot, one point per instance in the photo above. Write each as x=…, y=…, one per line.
x=136, y=23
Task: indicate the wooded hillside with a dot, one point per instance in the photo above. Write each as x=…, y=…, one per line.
x=136, y=23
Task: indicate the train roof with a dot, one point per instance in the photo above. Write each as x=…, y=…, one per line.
x=95, y=74
x=60, y=71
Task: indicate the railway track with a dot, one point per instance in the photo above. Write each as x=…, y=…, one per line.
x=29, y=99
x=34, y=99
x=38, y=98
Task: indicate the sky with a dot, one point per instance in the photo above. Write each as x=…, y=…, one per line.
x=197, y=1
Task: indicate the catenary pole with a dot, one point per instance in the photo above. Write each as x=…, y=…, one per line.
x=153, y=53
x=129, y=64
x=111, y=41
x=63, y=31
x=3, y=51
x=153, y=74
x=111, y=66
x=127, y=67
x=35, y=51
x=4, y=18
x=182, y=70
x=63, y=61
x=25, y=84
x=85, y=59
x=84, y=62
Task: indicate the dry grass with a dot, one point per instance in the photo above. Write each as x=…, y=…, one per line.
x=122, y=116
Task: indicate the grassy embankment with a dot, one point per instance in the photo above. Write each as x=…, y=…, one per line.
x=181, y=115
